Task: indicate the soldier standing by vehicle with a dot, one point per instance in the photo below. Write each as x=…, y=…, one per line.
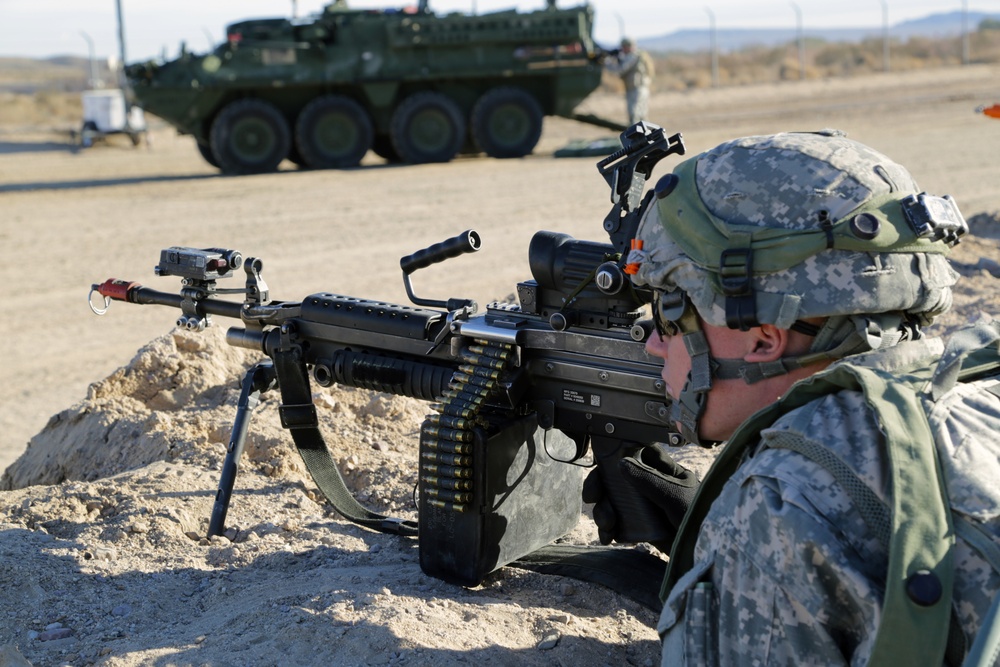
x=853, y=516
x=635, y=68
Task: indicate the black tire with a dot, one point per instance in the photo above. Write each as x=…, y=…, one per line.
x=506, y=122
x=427, y=127
x=333, y=132
x=205, y=151
x=295, y=158
x=87, y=133
x=249, y=136
x=382, y=146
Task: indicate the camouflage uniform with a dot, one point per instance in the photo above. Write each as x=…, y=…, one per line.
x=786, y=570
x=634, y=70
x=794, y=574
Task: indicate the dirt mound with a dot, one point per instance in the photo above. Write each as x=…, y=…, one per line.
x=116, y=492
x=175, y=402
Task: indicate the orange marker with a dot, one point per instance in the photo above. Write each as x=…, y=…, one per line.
x=633, y=267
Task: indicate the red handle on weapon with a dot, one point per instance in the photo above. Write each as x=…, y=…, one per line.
x=116, y=289
x=112, y=288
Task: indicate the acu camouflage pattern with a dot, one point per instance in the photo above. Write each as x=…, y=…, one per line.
x=784, y=180
x=787, y=572
x=793, y=181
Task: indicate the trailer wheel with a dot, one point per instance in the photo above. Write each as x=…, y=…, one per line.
x=87, y=133
x=249, y=136
x=506, y=122
x=205, y=151
x=333, y=131
x=427, y=127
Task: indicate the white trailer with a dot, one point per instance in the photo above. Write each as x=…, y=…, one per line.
x=105, y=112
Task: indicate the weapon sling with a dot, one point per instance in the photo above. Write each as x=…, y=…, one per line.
x=298, y=415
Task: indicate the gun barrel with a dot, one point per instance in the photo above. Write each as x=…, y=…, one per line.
x=249, y=340
x=149, y=296
x=132, y=292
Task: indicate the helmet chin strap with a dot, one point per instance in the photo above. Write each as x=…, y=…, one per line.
x=836, y=338
x=689, y=407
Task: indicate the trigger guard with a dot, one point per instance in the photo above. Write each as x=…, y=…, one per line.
x=582, y=446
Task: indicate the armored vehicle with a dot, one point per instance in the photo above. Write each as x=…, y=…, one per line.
x=411, y=85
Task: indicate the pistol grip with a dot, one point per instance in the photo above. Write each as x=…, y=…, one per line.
x=638, y=519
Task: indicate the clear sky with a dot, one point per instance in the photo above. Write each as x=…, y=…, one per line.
x=38, y=28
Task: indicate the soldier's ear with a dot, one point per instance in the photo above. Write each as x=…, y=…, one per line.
x=768, y=343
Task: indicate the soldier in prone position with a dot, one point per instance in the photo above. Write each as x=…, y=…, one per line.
x=853, y=516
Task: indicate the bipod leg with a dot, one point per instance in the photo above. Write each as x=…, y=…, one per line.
x=258, y=379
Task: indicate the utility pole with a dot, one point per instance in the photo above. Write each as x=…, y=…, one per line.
x=965, y=32
x=801, y=40
x=713, y=47
x=122, y=81
x=121, y=47
x=95, y=82
x=885, y=35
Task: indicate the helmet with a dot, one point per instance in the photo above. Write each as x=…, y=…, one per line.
x=773, y=229
x=780, y=228
x=627, y=42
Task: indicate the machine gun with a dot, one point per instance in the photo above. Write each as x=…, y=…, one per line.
x=519, y=391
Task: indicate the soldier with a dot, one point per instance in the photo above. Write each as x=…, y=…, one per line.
x=635, y=68
x=793, y=275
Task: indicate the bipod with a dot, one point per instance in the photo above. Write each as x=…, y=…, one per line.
x=257, y=380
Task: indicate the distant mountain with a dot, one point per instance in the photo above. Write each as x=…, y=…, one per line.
x=948, y=24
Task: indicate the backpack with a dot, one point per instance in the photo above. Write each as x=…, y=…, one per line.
x=919, y=527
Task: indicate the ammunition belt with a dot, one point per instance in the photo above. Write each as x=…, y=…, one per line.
x=447, y=438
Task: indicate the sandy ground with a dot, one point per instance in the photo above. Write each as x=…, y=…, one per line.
x=126, y=446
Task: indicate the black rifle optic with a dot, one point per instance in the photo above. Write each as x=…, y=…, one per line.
x=519, y=391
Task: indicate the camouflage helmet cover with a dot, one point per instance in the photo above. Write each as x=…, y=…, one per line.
x=818, y=225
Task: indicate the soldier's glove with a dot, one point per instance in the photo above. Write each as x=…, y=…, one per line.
x=654, y=474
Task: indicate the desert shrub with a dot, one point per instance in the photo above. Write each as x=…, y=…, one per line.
x=763, y=64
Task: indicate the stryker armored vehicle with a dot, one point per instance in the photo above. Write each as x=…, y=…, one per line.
x=408, y=84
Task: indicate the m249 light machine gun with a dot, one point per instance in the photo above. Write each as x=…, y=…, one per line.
x=519, y=391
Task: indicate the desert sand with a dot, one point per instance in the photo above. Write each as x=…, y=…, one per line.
x=113, y=429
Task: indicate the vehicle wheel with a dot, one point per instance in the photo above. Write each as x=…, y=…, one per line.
x=206, y=152
x=249, y=136
x=382, y=146
x=295, y=157
x=87, y=133
x=333, y=132
x=427, y=127
x=506, y=122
